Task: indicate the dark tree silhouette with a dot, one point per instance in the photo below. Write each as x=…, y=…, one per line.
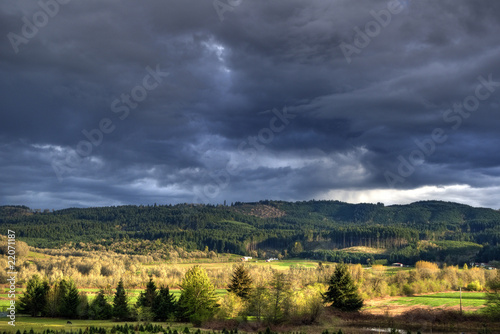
x=147, y=298
x=342, y=291
x=99, y=308
x=165, y=305
x=70, y=301
x=120, y=303
x=34, y=298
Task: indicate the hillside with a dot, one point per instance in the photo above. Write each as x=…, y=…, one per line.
x=430, y=230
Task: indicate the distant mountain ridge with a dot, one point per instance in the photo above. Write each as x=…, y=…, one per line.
x=425, y=229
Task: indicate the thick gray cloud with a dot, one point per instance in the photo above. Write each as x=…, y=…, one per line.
x=279, y=100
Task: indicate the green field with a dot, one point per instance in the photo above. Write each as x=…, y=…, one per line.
x=444, y=299
x=36, y=255
x=286, y=264
x=40, y=324
x=393, y=270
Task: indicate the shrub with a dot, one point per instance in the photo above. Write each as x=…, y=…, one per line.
x=474, y=286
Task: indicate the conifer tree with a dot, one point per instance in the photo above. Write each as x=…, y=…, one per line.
x=165, y=305
x=342, y=292
x=147, y=298
x=99, y=308
x=120, y=304
x=241, y=282
x=70, y=301
x=62, y=290
x=35, y=296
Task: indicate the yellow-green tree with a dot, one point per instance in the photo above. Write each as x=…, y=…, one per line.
x=257, y=302
x=198, y=301
x=279, y=298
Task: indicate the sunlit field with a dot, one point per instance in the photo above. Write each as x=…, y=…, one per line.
x=444, y=299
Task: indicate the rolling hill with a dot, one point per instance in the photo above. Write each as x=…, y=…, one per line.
x=429, y=230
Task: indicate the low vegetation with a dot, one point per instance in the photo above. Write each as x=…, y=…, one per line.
x=283, y=298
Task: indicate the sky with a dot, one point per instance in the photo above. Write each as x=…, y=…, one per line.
x=139, y=102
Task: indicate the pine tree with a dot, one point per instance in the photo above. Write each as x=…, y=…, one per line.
x=147, y=298
x=34, y=298
x=241, y=282
x=342, y=292
x=70, y=301
x=198, y=300
x=120, y=303
x=62, y=290
x=164, y=306
x=99, y=308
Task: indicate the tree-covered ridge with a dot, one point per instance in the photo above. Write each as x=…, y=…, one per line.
x=320, y=227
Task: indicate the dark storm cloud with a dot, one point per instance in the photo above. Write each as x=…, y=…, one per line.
x=206, y=132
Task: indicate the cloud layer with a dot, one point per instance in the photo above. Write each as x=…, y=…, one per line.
x=389, y=101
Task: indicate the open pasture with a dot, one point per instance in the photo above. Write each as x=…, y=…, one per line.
x=471, y=302
x=444, y=299
x=40, y=324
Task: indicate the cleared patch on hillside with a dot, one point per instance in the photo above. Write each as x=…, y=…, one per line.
x=365, y=250
x=237, y=224
x=36, y=255
x=260, y=210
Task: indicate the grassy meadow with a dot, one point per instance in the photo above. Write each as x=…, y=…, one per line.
x=443, y=299
x=41, y=324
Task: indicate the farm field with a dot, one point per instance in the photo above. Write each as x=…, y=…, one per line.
x=471, y=302
x=444, y=299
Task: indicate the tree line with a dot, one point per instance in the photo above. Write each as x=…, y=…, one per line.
x=241, y=228
x=277, y=300
x=63, y=299
x=197, y=303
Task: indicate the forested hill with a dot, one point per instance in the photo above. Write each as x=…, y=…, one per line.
x=432, y=230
